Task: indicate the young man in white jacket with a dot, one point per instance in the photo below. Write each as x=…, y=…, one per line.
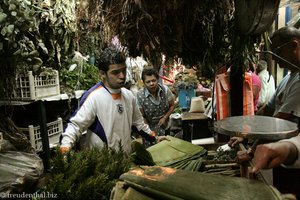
x=107, y=111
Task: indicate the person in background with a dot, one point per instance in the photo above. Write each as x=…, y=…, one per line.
x=256, y=86
x=267, y=83
x=107, y=111
x=156, y=102
x=284, y=103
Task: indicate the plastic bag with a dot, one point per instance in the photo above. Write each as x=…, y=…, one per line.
x=19, y=171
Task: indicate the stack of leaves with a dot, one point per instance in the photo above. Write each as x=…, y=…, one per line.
x=89, y=174
x=178, y=154
x=167, y=183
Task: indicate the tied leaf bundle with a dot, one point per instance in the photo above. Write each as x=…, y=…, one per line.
x=140, y=155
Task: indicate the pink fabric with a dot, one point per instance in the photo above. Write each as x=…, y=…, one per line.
x=256, y=82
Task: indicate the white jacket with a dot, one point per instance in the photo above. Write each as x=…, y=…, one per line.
x=108, y=114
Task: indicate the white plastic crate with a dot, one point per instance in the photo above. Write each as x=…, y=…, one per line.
x=31, y=87
x=54, y=130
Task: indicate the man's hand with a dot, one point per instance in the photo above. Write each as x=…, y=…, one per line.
x=162, y=121
x=271, y=155
x=161, y=138
x=64, y=150
x=234, y=141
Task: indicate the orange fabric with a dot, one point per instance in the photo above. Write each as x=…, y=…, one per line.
x=223, y=104
x=248, y=104
x=222, y=96
x=116, y=96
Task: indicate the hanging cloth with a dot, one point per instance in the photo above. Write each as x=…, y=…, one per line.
x=223, y=104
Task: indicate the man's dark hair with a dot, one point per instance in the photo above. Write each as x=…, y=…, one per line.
x=149, y=72
x=286, y=34
x=110, y=55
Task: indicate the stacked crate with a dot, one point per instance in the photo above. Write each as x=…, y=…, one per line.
x=35, y=87
x=30, y=88
x=54, y=130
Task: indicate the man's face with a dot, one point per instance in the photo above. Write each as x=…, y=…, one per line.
x=115, y=77
x=151, y=83
x=284, y=50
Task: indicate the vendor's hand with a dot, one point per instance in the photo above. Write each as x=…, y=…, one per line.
x=243, y=157
x=234, y=141
x=64, y=150
x=271, y=155
x=162, y=121
x=161, y=138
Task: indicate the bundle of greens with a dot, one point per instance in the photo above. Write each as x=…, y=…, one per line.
x=88, y=174
x=186, y=80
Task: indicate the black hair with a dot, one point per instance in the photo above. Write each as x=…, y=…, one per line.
x=286, y=34
x=108, y=56
x=149, y=72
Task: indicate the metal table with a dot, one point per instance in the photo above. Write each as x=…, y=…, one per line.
x=256, y=127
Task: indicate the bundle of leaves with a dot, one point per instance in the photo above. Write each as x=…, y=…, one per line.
x=81, y=78
x=34, y=34
x=140, y=155
x=197, y=31
x=226, y=155
x=88, y=174
x=186, y=80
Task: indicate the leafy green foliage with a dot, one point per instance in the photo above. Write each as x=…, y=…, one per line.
x=79, y=79
x=226, y=155
x=88, y=174
x=34, y=34
x=197, y=31
x=17, y=46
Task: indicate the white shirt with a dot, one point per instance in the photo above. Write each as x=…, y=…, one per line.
x=267, y=87
x=113, y=110
x=287, y=95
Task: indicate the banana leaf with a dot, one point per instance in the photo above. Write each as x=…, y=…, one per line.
x=168, y=183
x=173, y=150
x=121, y=192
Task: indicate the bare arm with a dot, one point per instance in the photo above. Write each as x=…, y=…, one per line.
x=165, y=118
x=282, y=115
x=265, y=110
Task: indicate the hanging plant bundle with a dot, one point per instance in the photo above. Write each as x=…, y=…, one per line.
x=88, y=174
x=81, y=78
x=34, y=34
